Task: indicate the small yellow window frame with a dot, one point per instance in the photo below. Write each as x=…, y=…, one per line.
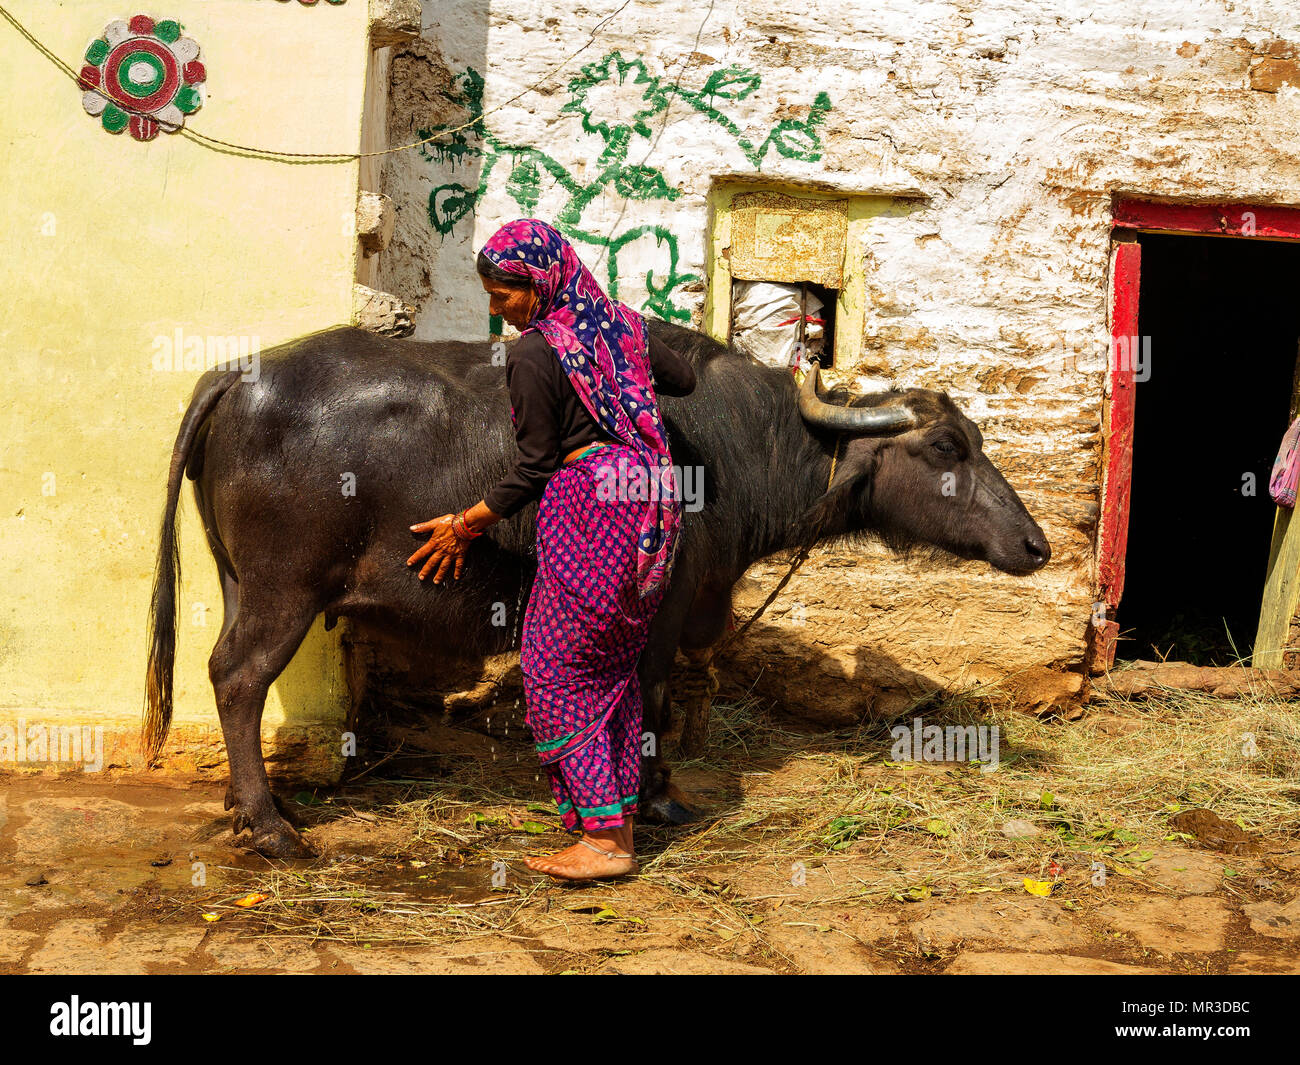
x=850, y=310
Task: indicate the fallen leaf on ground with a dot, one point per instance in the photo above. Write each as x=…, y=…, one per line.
x=249, y=901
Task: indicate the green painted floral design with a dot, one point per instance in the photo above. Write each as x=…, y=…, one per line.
x=615, y=70
x=642, y=97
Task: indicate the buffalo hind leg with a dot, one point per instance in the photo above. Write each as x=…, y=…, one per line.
x=253, y=650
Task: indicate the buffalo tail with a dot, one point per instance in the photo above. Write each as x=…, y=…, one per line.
x=167, y=571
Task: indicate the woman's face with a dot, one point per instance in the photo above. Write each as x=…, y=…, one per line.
x=515, y=302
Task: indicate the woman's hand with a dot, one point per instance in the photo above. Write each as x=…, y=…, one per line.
x=444, y=549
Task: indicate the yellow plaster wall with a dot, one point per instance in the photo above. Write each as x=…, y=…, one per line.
x=107, y=244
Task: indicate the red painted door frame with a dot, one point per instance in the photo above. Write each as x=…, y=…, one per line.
x=1129, y=217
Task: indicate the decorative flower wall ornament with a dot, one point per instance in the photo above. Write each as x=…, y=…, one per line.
x=142, y=75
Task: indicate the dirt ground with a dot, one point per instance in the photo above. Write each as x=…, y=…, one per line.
x=818, y=853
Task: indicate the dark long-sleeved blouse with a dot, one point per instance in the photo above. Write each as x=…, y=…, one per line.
x=550, y=419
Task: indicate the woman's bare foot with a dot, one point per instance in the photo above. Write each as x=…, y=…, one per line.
x=581, y=862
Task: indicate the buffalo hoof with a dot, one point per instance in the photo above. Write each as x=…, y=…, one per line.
x=668, y=807
x=272, y=836
x=282, y=844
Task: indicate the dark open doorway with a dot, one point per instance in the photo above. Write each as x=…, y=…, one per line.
x=1223, y=320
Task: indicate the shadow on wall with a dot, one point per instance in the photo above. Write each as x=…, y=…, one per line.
x=432, y=271
x=313, y=698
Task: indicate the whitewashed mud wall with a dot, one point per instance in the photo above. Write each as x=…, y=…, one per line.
x=1014, y=123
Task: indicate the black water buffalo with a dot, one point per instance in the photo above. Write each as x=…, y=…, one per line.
x=421, y=429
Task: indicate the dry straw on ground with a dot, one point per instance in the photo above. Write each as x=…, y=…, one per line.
x=798, y=822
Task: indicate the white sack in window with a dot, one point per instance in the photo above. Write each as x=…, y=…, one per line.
x=765, y=321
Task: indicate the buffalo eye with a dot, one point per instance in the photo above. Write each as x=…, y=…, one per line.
x=945, y=447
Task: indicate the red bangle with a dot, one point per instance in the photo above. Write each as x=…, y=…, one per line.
x=469, y=534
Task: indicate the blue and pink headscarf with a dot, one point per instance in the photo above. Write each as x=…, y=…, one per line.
x=602, y=346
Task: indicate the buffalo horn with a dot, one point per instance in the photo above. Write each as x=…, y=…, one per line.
x=816, y=411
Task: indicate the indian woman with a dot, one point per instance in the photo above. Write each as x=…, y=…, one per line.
x=591, y=446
